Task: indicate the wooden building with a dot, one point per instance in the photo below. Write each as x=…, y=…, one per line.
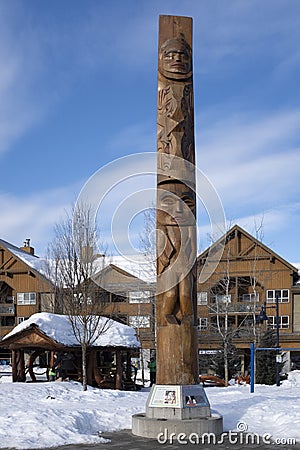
x=131, y=301
x=247, y=276
x=24, y=288
x=45, y=336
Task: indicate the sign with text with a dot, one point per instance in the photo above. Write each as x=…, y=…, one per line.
x=165, y=396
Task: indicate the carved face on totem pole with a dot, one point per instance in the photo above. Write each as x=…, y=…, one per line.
x=175, y=59
x=177, y=204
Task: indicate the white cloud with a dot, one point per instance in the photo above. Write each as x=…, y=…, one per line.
x=19, y=60
x=33, y=216
x=273, y=220
x=280, y=229
x=240, y=136
x=277, y=228
x=41, y=60
x=253, y=161
x=230, y=33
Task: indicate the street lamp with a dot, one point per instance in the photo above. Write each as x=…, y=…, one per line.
x=263, y=317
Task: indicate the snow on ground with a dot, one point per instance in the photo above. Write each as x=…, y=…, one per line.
x=39, y=415
x=270, y=409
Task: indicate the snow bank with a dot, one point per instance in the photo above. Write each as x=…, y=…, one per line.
x=270, y=409
x=39, y=415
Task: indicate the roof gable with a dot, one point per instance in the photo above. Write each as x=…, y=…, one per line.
x=29, y=338
x=248, y=249
x=30, y=262
x=114, y=279
x=57, y=329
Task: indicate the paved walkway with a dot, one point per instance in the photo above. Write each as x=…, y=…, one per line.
x=125, y=440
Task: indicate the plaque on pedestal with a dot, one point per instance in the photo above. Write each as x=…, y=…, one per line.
x=177, y=402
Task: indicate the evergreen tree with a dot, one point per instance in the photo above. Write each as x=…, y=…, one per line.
x=217, y=363
x=266, y=359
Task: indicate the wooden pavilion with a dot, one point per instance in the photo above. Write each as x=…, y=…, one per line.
x=45, y=338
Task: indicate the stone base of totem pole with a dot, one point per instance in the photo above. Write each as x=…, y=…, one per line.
x=173, y=409
x=180, y=407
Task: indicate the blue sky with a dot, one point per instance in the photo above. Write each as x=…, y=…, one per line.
x=78, y=90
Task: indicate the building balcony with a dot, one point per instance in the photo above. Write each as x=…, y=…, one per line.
x=234, y=308
x=7, y=309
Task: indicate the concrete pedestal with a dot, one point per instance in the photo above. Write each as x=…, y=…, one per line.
x=176, y=410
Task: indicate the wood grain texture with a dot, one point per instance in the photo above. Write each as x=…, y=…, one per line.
x=176, y=308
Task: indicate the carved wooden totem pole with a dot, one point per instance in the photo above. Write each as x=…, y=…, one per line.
x=176, y=305
x=177, y=402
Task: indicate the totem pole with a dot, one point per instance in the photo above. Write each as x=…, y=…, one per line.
x=177, y=403
x=177, y=346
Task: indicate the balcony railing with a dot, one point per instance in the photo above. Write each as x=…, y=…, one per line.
x=234, y=308
x=7, y=309
x=239, y=335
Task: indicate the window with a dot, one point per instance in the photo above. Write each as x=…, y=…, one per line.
x=21, y=319
x=7, y=309
x=26, y=298
x=202, y=323
x=220, y=298
x=7, y=321
x=217, y=322
x=139, y=297
x=283, y=295
x=250, y=297
x=245, y=321
x=118, y=298
x=202, y=298
x=284, y=321
x=139, y=321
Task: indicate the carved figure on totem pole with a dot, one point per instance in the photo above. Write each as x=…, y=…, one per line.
x=177, y=252
x=176, y=203
x=175, y=108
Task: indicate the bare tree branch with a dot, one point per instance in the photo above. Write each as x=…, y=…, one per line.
x=73, y=261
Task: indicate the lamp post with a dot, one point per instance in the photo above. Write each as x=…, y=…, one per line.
x=278, y=358
x=263, y=317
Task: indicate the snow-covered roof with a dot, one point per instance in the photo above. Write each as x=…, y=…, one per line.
x=134, y=267
x=59, y=329
x=298, y=266
x=137, y=266
x=32, y=261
